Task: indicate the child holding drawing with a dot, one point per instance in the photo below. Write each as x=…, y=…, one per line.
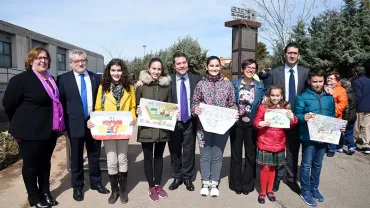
x=271, y=142
x=314, y=100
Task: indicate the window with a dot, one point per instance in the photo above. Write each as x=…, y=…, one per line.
x=36, y=43
x=61, y=59
x=5, y=55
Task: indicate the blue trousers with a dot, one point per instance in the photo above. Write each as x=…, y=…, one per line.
x=311, y=164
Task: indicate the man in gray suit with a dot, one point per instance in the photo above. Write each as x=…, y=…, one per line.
x=293, y=79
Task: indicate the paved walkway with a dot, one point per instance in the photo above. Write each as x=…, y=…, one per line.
x=345, y=183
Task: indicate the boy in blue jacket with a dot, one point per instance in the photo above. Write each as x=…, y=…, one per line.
x=314, y=100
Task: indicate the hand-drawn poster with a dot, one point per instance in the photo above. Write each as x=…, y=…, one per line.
x=277, y=118
x=216, y=119
x=158, y=114
x=325, y=129
x=110, y=125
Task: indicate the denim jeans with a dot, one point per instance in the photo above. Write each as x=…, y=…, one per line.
x=348, y=134
x=312, y=156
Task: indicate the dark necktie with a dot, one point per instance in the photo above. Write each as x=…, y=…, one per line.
x=183, y=102
x=84, y=96
x=292, y=91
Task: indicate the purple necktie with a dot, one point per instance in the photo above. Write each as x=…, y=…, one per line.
x=183, y=102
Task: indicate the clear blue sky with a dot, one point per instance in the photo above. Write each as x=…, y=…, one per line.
x=127, y=24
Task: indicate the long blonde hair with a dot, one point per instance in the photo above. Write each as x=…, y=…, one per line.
x=283, y=103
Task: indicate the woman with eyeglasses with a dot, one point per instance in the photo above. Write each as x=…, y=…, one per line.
x=248, y=95
x=31, y=102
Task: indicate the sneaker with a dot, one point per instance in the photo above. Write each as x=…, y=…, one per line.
x=317, y=195
x=340, y=150
x=308, y=199
x=365, y=150
x=351, y=150
x=161, y=193
x=330, y=154
x=153, y=195
x=204, y=191
x=214, y=189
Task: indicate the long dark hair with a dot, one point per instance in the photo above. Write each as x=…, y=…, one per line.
x=155, y=59
x=282, y=103
x=107, y=79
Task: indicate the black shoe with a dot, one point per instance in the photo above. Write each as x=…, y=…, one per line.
x=245, y=192
x=78, y=195
x=189, y=185
x=294, y=186
x=100, y=188
x=261, y=200
x=175, y=184
x=238, y=192
x=123, y=194
x=113, y=179
x=271, y=198
x=276, y=185
x=41, y=204
x=49, y=199
x=330, y=154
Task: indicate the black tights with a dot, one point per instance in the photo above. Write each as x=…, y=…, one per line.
x=158, y=162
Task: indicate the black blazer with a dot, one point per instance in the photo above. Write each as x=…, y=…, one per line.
x=28, y=107
x=193, y=79
x=72, y=103
x=277, y=77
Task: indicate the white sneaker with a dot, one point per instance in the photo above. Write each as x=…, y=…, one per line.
x=214, y=189
x=204, y=191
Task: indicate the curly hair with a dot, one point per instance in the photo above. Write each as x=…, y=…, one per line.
x=107, y=78
x=283, y=103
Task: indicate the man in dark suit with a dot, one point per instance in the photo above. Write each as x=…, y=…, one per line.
x=182, y=142
x=293, y=80
x=78, y=89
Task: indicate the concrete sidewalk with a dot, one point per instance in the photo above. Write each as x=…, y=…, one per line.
x=344, y=183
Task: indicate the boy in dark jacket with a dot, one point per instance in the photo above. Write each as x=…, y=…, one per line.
x=349, y=114
x=313, y=101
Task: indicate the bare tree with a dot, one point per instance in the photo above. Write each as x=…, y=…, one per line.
x=279, y=16
x=110, y=51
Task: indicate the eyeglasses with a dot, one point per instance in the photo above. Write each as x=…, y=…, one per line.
x=250, y=68
x=84, y=61
x=42, y=58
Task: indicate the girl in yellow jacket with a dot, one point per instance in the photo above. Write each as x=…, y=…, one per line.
x=116, y=94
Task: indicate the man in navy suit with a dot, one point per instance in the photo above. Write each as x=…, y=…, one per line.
x=293, y=79
x=78, y=89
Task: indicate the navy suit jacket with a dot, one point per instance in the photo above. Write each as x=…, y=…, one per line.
x=193, y=80
x=72, y=103
x=277, y=77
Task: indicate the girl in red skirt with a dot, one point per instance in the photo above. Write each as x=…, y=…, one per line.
x=271, y=142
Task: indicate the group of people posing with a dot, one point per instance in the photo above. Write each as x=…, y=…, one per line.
x=40, y=108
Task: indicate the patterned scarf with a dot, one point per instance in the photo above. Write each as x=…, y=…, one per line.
x=117, y=91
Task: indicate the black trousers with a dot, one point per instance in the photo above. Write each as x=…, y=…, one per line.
x=290, y=169
x=158, y=149
x=93, y=154
x=182, y=150
x=36, y=157
x=242, y=178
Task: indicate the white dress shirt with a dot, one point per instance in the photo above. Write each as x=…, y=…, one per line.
x=287, y=76
x=178, y=88
x=88, y=89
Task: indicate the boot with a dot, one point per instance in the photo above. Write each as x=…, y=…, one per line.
x=122, y=187
x=113, y=179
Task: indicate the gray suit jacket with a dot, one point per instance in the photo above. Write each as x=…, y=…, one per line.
x=277, y=77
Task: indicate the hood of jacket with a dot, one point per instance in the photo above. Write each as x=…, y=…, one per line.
x=147, y=79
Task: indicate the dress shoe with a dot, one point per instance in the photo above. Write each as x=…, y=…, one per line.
x=189, y=185
x=276, y=185
x=41, y=204
x=78, y=195
x=294, y=186
x=100, y=188
x=175, y=184
x=245, y=192
x=238, y=192
x=49, y=199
